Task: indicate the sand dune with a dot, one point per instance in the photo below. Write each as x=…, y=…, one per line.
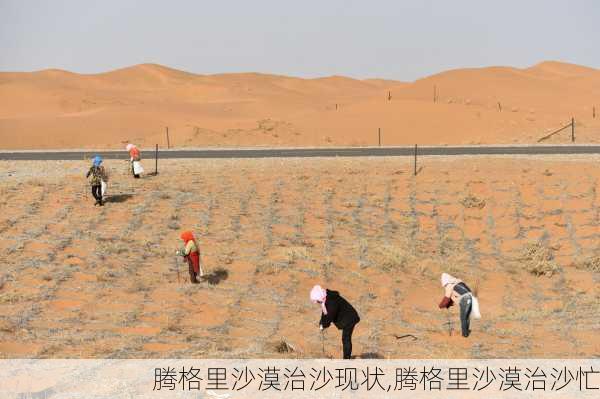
x=60, y=109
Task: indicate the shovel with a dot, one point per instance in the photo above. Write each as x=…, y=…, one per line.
x=177, y=266
x=449, y=323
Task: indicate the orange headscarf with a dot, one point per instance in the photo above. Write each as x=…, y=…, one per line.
x=134, y=152
x=187, y=236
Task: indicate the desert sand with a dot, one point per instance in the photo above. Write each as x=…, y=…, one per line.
x=83, y=281
x=60, y=109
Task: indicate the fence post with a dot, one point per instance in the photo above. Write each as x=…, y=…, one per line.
x=434, y=93
x=572, y=130
x=380, y=137
x=594, y=112
x=415, y=160
x=156, y=161
x=168, y=141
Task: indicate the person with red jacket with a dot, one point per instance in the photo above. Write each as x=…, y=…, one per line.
x=191, y=253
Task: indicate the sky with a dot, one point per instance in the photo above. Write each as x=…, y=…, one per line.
x=401, y=40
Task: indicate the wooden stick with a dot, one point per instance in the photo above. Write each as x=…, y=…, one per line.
x=156, y=161
x=415, y=159
x=449, y=323
x=554, y=132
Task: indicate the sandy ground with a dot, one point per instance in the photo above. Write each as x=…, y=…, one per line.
x=59, y=109
x=84, y=281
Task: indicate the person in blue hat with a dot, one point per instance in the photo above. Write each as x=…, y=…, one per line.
x=98, y=175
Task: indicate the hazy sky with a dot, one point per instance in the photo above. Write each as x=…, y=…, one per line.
x=401, y=40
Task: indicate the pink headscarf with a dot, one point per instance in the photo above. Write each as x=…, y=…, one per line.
x=129, y=147
x=448, y=279
x=318, y=294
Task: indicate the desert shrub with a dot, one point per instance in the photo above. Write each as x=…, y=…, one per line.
x=282, y=346
x=539, y=260
x=591, y=264
x=173, y=225
x=174, y=328
x=471, y=201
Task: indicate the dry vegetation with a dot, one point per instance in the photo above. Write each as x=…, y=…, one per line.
x=85, y=281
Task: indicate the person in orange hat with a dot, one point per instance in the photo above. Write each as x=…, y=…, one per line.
x=191, y=253
x=135, y=157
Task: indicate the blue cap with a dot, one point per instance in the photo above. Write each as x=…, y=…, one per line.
x=97, y=160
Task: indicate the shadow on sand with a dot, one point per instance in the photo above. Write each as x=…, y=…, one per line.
x=370, y=355
x=216, y=276
x=118, y=198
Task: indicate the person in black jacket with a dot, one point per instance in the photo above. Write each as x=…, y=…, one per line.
x=336, y=310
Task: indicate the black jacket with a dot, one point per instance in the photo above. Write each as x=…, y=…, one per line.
x=339, y=312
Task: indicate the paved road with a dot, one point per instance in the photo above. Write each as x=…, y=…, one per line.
x=312, y=152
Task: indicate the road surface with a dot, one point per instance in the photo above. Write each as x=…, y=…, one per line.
x=310, y=152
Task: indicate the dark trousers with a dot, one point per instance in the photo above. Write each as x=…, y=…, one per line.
x=97, y=193
x=347, y=340
x=466, y=303
x=193, y=274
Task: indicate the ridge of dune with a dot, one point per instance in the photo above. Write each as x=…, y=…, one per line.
x=563, y=69
x=60, y=109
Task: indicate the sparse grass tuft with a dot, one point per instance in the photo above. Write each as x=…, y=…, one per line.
x=295, y=253
x=8, y=326
x=105, y=277
x=391, y=257
x=268, y=267
x=539, y=260
x=137, y=286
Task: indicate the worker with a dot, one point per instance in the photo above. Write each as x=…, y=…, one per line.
x=457, y=291
x=191, y=253
x=335, y=309
x=135, y=158
x=98, y=177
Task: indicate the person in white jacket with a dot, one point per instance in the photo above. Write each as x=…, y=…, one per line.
x=457, y=291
